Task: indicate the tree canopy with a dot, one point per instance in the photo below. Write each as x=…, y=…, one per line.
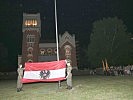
x=110, y=40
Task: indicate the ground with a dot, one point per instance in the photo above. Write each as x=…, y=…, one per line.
x=84, y=88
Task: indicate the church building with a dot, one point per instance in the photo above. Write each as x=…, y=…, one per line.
x=34, y=50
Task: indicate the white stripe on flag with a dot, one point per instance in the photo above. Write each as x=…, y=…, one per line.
x=53, y=74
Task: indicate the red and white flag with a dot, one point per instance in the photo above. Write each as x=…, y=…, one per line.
x=44, y=71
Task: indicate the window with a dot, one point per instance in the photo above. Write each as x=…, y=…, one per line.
x=30, y=60
x=55, y=50
x=31, y=22
x=30, y=40
x=42, y=51
x=49, y=51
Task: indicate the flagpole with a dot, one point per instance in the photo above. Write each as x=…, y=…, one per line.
x=57, y=43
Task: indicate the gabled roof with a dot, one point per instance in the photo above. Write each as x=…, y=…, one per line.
x=66, y=37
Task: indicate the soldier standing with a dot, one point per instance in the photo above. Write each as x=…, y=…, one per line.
x=20, y=76
x=69, y=74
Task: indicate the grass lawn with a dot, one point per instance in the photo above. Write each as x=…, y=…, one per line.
x=84, y=88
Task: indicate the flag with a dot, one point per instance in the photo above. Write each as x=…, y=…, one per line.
x=106, y=63
x=44, y=71
x=103, y=65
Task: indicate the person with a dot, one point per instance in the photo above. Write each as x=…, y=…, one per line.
x=20, y=76
x=69, y=74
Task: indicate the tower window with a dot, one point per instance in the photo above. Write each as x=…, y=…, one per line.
x=30, y=40
x=31, y=22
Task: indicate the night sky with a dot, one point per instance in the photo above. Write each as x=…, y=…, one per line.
x=74, y=16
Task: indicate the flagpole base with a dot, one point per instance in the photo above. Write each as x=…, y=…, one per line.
x=59, y=84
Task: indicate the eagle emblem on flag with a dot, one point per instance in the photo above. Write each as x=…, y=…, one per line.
x=44, y=74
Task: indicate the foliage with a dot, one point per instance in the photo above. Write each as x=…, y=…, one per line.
x=110, y=40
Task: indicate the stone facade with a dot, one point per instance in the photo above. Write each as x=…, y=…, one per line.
x=35, y=51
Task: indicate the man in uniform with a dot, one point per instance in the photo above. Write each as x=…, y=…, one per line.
x=69, y=74
x=20, y=76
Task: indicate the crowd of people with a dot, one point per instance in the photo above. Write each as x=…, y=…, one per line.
x=113, y=71
x=120, y=70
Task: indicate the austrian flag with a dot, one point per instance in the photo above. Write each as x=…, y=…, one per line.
x=44, y=71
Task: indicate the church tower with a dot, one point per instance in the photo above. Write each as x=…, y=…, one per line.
x=68, y=48
x=31, y=35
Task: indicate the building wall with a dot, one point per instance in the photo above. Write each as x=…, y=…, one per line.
x=47, y=52
x=68, y=40
x=39, y=52
x=73, y=54
x=31, y=36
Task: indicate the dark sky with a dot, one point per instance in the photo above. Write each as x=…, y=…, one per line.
x=74, y=16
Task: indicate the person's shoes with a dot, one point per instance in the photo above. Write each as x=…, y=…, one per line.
x=21, y=89
x=69, y=87
x=66, y=87
x=18, y=90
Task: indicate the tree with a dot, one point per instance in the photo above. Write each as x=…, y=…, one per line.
x=110, y=40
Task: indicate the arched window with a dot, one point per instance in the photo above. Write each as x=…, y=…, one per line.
x=55, y=51
x=30, y=60
x=42, y=51
x=67, y=50
x=30, y=50
x=49, y=51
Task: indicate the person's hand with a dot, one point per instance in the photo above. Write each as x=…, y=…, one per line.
x=66, y=76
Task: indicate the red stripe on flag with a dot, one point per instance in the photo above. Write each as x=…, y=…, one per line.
x=38, y=80
x=45, y=65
